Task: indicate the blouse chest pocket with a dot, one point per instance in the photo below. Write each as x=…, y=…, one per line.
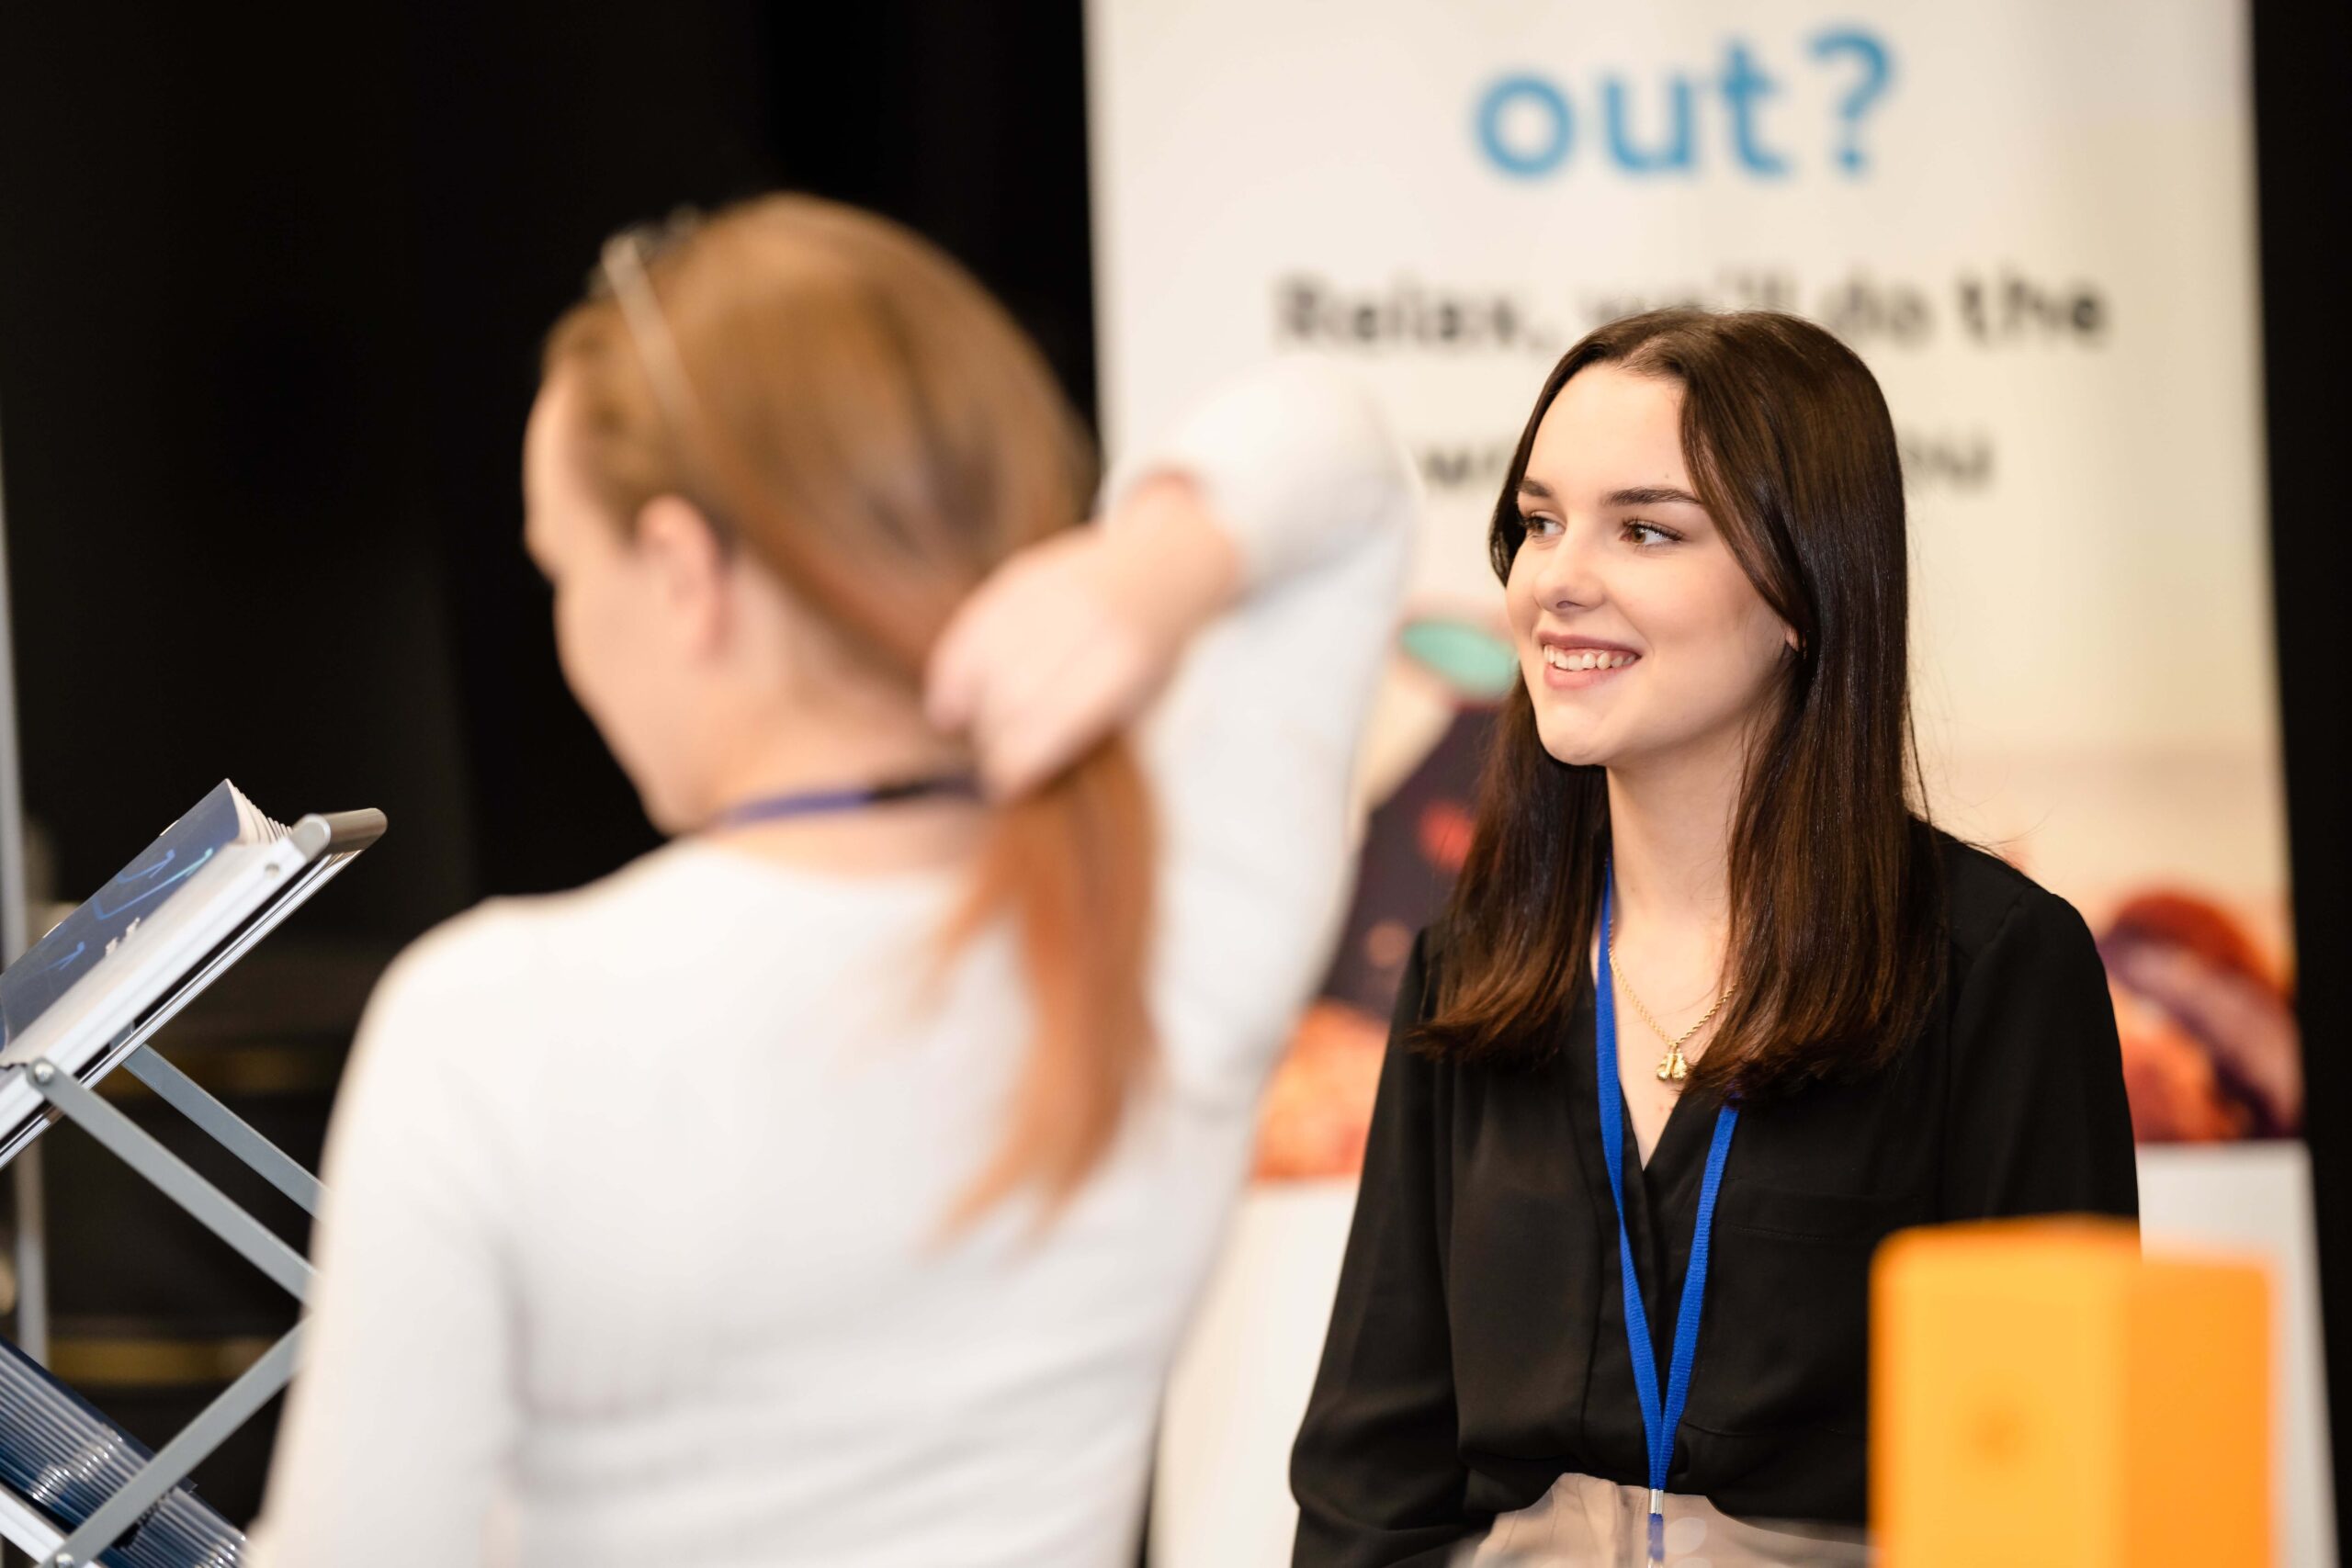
x=1785, y=1341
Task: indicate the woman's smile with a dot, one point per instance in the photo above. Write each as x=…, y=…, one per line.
x=1572, y=665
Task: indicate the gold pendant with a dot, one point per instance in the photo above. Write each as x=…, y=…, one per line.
x=1673, y=1068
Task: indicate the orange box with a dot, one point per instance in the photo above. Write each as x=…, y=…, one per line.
x=2042, y=1393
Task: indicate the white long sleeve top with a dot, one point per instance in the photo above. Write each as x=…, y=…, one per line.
x=630, y=1250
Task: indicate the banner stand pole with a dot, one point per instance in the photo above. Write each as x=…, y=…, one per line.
x=31, y=1249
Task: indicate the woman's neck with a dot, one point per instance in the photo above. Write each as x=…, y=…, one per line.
x=803, y=757
x=1670, y=824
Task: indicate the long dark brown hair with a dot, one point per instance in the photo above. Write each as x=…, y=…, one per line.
x=1835, y=949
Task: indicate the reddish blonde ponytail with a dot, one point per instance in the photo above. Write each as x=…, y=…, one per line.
x=1071, y=863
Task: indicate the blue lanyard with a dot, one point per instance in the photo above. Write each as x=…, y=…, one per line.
x=820, y=802
x=1659, y=1422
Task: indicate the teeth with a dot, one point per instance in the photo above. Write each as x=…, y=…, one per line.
x=1585, y=658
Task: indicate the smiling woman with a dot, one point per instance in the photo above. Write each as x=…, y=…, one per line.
x=1701, y=814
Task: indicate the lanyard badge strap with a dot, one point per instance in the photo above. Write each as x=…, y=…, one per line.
x=1660, y=1417
x=826, y=802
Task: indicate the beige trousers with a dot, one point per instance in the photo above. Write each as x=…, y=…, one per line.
x=1585, y=1522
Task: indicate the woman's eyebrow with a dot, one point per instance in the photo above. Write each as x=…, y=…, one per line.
x=1652, y=495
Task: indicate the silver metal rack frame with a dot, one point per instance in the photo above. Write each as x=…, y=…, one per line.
x=328, y=842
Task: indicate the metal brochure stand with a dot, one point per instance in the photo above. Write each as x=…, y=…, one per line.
x=317, y=848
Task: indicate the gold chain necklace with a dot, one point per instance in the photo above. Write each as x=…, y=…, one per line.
x=1673, y=1067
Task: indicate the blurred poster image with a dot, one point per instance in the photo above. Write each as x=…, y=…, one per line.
x=1445, y=679
x=2209, y=1043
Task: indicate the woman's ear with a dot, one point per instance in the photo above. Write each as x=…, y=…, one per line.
x=685, y=567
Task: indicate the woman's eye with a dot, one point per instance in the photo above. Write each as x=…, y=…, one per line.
x=1650, y=533
x=1539, y=527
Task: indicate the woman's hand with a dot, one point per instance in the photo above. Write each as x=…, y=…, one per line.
x=1071, y=638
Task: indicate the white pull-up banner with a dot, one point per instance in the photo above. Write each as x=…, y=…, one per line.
x=2035, y=221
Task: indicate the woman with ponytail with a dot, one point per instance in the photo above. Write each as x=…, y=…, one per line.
x=830, y=1185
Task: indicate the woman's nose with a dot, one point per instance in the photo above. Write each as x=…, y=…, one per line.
x=1568, y=579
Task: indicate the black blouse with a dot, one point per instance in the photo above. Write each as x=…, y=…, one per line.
x=1477, y=1346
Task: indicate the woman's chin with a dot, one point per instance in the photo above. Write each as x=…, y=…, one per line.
x=1579, y=748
